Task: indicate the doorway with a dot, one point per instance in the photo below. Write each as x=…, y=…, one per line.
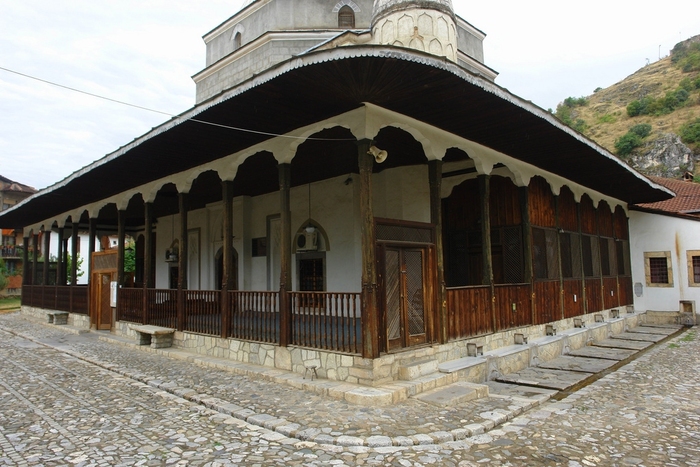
x=405, y=310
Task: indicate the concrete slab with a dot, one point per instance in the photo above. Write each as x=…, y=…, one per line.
x=453, y=394
x=604, y=353
x=545, y=378
x=581, y=364
x=623, y=344
x=640, y=336
x=514, y=390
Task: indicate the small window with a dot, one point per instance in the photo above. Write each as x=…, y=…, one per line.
x=346, y=18
x=693, y=268
x=657, y=269
x=237, y=41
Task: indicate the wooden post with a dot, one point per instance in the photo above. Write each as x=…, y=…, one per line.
x=74, y=261
x=435, y=180
x=285, y=180
x=370, y=315
x=25, y=261
x=580, y=253
x=74, y=255
x=487, y=257
x=227, y=273
x=35, y=258
x=147, y=258
x=524, y=198
x=121, y=239
x=182, y=261
x=561, y=275
x=60, y=269
x=47, y=250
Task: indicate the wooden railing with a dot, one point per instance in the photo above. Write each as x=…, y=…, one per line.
x=326, y=320
x=254, y=316
x=162, y=307
x=130, y=305
x=73, y=299
x=469, y=311
x=203, y=312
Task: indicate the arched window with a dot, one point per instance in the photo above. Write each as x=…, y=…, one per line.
x=237, y=41
x=346, y=18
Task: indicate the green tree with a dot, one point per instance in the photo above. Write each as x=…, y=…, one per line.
x=642, y=130
x=627, y=143
x=69, y=267
x=690, y=132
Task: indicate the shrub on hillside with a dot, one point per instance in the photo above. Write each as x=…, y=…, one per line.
x=642, y=130
x=631, y=140
x=690, y=132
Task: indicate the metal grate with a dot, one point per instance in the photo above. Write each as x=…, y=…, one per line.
x=102, y=262
x=696, y=269
x=414, y=292
x=658, y=270
x=399, y=233
x=613, y=257
x=512, y=255
x=393, y=295
x=604, y=257
x=545, y=253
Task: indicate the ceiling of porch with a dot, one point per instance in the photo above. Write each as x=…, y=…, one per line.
x=330, y=84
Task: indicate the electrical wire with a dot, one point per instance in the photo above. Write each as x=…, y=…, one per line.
x=204, y=122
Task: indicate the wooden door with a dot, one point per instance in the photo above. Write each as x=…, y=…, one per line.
x=404, y=297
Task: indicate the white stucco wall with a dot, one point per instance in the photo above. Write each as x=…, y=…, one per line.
x=655, y=233
x=83, y=248
x=401, y=193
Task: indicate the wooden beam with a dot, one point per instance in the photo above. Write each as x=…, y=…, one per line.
x=47, y=251
x=60, y=265
x=486, y=253
x=25, y=261
x=35, y=258
x=370, y=313
x=121, y=238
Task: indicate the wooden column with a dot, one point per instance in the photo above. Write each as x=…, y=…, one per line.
x=435, y=180
x=60, y=264
x=486, y=253
x=285, y=179
x=74, y=261
x=370, y=312
x=46, y=252
x=121, y=239
x=182, y=261
x=561, y=275
x=35, y=258
x=147, y=258
x=580, y=253
x=74, y=255
x=25, y=260
x=524, y=198
x=228, y=272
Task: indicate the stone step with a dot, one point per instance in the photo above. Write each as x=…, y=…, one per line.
x=454, y=394
x=460, y=364
x=414, y=370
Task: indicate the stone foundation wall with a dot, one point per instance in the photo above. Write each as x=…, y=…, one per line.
x=40, y=314
x=385, y=369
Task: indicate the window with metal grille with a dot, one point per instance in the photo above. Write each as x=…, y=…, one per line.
x=620, y=253
x=346, y=18
x=311, y=275
x=545, y=253
x=604, y=257
x=507, y=255
x=693, y=257
x=587, y=254
x=658, y=270
x=696, y=269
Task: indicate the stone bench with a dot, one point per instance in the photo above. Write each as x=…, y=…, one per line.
x=156, y=336
x=57, y=317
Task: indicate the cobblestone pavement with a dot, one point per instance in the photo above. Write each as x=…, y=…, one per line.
x=58, y=407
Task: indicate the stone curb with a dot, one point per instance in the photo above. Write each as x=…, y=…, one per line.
x=282, y=426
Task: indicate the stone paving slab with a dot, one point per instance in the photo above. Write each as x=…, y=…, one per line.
x=516, y=390
x=453, y=394
x=580, y=364
x=640, y=336
x=602, y=352
x=649, y=329
x=545, y=378
x=623, y=344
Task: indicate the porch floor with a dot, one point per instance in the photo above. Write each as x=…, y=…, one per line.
x=318, y=410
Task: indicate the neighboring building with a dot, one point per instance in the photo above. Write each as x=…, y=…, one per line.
x=666, y=250
x=11, y=245
x=350, y=191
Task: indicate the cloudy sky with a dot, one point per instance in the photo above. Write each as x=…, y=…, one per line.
x=145, y=52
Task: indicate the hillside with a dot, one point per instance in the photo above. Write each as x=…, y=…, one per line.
x=667, y=96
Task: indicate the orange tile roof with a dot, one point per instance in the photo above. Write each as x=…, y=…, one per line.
x=686, y=201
